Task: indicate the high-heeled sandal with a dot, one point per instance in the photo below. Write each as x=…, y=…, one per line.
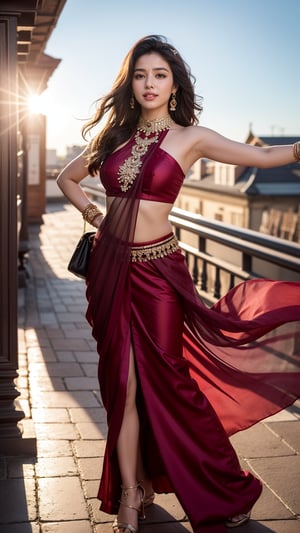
x=140, y=510
x=148, y=499
x=231, y=522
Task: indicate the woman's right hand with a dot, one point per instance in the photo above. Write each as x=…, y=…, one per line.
x=98, y=221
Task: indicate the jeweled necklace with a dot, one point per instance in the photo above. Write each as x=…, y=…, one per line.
x=156, y=125
x=129, y=170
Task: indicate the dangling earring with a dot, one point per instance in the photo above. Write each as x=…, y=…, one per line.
x=173, y=102
x=131, y=102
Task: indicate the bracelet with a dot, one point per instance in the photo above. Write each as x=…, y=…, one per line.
x=90, y=212
x=296, y=151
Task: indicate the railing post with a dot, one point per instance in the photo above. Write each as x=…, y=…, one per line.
x=247, y=262
x=195, y=271
x=217, y=291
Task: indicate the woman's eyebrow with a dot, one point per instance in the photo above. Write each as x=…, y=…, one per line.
x=156, y=68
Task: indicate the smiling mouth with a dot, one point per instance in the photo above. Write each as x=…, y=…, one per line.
x=149, y=96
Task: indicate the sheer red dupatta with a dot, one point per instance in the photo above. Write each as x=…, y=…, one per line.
x=108, y=275
x=244, y=352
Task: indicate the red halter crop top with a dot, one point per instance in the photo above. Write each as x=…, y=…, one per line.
x=162, y=179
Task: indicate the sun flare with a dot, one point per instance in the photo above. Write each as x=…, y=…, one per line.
x=37, y=104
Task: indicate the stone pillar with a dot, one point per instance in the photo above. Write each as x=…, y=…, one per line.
x=10, y=416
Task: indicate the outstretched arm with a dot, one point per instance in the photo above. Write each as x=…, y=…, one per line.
x=214, y=146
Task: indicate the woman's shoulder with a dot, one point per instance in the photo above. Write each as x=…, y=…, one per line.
x=192, y=132
x=190, y=136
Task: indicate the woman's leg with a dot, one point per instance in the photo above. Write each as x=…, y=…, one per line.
x=127, y=451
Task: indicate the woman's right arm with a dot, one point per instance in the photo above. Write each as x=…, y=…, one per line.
x=69, y=182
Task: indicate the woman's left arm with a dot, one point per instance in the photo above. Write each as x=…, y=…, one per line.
x=212, y=145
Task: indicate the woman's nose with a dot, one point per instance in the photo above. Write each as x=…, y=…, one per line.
x=149, y=82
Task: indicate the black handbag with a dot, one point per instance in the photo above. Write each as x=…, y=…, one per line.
x=79, y=261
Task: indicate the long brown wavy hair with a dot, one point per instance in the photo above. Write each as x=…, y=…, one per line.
x=122, y=120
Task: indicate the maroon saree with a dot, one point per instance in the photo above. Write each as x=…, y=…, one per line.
x=203, y=373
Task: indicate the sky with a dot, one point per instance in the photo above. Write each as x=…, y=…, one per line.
x=244, y=55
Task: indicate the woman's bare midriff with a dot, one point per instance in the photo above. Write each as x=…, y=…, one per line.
x=152, y=220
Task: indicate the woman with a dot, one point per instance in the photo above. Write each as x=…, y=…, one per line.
x=170, y=369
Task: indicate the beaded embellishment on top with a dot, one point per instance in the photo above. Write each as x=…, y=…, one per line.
x=129, y=170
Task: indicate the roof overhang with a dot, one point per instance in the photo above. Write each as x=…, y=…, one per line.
x=36, y=21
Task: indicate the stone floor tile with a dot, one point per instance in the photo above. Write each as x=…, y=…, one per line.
x=54, y=448
x=97, y=514
x=166, y=508
x=70, y=317
x=57, y=369
x=70, y=344
x=18, y=500
x=98, y=396
x=103, y=528
x=90, y=487
x=92, y=431
x=21, y=382
x=79, y=333
x=267, y=443
x=89, y=448
x=65, y=399
x=268, y=505
x=68, y=327
x=93, y=414
x=80, y=526
x=289, y=432
x=282, y=526
x=82, y=383
x=61, y=499
x=24, y=405
x=283, y=416
x=54, y=333
x=40, y=354
x=50, y=415
x=36, y=337
x=90, y=356
x=65, y=356
x=46, y=383
x=283, y=477
x=65, y=431
x=90, y=468
x=21, y=467
x=91, y=370
x=56, y=466
x=48, y=318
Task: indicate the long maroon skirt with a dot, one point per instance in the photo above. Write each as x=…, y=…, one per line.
x=202, y=374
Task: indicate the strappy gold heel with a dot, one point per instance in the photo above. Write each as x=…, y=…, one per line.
x=148, y=499
x=140, y=510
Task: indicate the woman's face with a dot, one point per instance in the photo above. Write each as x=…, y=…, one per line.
x=153, y=84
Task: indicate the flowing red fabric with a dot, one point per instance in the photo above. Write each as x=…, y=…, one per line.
x=203, y=373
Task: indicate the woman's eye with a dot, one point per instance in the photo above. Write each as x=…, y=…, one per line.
x=160, y=75
x=138, y=76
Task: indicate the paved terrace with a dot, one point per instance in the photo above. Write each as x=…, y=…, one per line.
x=56, y=492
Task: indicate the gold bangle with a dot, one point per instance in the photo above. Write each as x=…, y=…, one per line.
x=296, y=151
x=90, y=212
